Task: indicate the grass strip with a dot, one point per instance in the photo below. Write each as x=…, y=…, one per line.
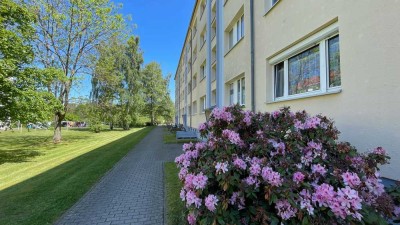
x=174, y=205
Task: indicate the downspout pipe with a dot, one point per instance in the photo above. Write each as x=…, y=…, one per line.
x=220, y=54
x=208, y=56
x=252, y=88
x=191, y=76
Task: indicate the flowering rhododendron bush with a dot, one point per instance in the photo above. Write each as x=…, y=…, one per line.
x=280, y=167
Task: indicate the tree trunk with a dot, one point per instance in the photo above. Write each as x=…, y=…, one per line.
x=57, y=128
x=111, y=126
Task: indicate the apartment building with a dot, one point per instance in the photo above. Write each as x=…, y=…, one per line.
x=339, y=58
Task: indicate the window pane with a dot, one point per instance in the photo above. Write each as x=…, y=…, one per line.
x=231, y=95
x=334, y=62
x=279, y=80
x=243, y=92
x=304, y=72
x=231, y=39
x=242, y=23
x=238, y=92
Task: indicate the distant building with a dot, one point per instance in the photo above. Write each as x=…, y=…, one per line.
x=339, y=58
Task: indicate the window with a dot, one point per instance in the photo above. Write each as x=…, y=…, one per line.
x=269, y=4
x=194, y=81
x=190, y=110
x=202, y=8
x=237, y=92
x=194, y=106
x=214, y=72
x=194, y=27
x=203, y=70
x=190, y=86
x=203, y=103
x=194, y=54
x=203, y=37
x=237, y=32
x=314, y=70
x=214, y=98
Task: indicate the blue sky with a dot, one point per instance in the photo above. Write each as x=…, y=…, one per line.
x=161, y=26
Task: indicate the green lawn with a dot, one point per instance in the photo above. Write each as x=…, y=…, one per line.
x=39, y=180
x=174, y=206
x=170, y=138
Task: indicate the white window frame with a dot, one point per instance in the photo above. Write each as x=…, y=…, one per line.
x=203, y=103
x=269, y=4
x=203, y=73
x=321, y=38
x=238, y=96
x=236, y=33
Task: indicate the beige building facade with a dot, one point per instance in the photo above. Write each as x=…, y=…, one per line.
x=338, y=58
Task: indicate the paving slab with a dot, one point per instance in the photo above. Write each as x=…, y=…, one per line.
x=130, y=193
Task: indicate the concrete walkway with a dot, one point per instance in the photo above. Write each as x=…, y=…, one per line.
x=132, y=192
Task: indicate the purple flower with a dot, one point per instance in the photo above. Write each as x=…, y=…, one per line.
x=187, y=146
x=221, y=167
x=298, y=177
x=273, y=178
x=191, y=198
x=251, y=181
x=255, y=169
x=191, y=218
x=396, y=211
x=182, y=194
x=200, y=146
x=346, y=203
x=379, y=151
x=351, y=179
x=285, y=210
x=182, y=173
x=222, y=114
x=202, y=127
x=200, y=181
x=305, y=201
x=233, y=137
x=247, y=118
x=318, y=169
x=324, y=194
x=211, y=202
x=239, y=163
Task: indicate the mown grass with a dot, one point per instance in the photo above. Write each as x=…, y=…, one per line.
x=39, y=180
x=174, y=205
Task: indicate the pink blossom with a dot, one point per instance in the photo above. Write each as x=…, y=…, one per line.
x=191, y=198
x=182, y=194
x=346, y=203
x=379, y=151
x=239, y=163
x=305, y=201
x=237, y=199
x=200, y=181
x=202, y=127
x=318, y=169
x=222, y=114
x=312, y=122
x=221, y=167
x=396, y=211
x=272, y=177
x=247, y=118
x=285, y=210
x=255, y=169
x=313, y=145
x=182, y=173
x=275, y=114
x=233, y=137
x=298, y=177
x=251, y=181
x=324, y=194
x=351, y=179
x=200, y=146
x=211, y=202
x=298, y=125
x=187, y=146
x=191, y=218
x=374, y=186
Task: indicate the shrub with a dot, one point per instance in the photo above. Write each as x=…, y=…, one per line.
x=280, y=167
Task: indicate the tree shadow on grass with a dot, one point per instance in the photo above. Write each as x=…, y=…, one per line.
x=17, y=156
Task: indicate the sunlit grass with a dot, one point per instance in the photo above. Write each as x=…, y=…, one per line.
x=174, y=206
x=40, y=180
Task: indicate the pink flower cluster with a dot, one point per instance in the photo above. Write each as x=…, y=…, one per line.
x=233, y=137
x=292, y=163
x=222, y=114
x=285, y=210
x=211, y=202
x=351, y=179
x=272, y=177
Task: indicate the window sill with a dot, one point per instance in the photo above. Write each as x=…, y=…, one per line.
x=202, y=78
x=202, y=45
x=234, y=46
x=308, y=95
x=270, y=9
